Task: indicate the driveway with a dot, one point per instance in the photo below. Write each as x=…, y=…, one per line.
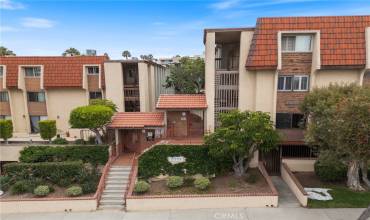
x=200, y=214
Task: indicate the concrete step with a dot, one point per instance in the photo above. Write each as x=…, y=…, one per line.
x=102, y=207
x=118, y=191
x=120, y=168
x=112, y=196
x=115, y=187
x=112, y=202
x=117, y=177
x=115, y=182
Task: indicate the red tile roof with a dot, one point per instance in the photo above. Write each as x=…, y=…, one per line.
x=342, y=40
x=137, y=120
x=182, y=101
x=58, y=71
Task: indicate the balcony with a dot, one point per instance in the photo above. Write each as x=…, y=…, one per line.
x=131, y=93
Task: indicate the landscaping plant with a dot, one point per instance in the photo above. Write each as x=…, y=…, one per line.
x=59, y=141
x=175, y=181
x=6, y=130
x=329, y=167
x=339, y=122
x=74, y=191
x=41, y=191
x=93, y=117
x=5, y=182
x=104, y=102
x=239, y=135
x=202, y=183
x=21, y=187
x=141, y=186
x=48, y=129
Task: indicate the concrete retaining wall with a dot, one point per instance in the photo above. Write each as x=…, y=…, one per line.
x=300, y=165
x=294, y=184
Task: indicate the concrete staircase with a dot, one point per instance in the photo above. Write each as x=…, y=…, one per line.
x=115, y=188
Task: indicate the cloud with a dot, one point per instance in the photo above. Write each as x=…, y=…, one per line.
x=158, y=23
x=37, y=23
x=225, y=4
x=8, y=29
x=11, y=5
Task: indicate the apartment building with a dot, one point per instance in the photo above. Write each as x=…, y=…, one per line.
x=39, y=88
x=272, y=66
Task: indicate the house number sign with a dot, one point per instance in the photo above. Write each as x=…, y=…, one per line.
x=176, y=160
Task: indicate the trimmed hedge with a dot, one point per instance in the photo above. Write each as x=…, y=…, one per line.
x=88, y=154
x=154, y=162
x=48, y=129
x=55, y=172
x=6, y=129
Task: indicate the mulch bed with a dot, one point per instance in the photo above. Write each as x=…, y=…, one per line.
x=223, y=184
x=310, y=180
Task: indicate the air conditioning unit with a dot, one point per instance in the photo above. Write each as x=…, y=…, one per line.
x=91, y=52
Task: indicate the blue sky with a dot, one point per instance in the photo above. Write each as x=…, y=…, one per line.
x=162, y=28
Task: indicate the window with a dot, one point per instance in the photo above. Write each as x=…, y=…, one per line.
x=4, y=97
x=93, y=70
x=95, y=95
x=299, y=43
x=1, y=71
x=32, y=71
x=295, y=83
x=289, y=120
x=36, y=96
x=5, y=117
x=34, y=122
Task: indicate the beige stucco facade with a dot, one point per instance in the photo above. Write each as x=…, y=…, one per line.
x=210, y=45
x=324, y=78
x=114, y=79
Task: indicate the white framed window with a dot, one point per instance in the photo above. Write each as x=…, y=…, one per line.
x=95, y=95
x=4, y=97
x=5, y=117
x=36, y=96
x=34, y=71
x=293, y=83
x=297, y=43
x=1, y=71
x=92, y=70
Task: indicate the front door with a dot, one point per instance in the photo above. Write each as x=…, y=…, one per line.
x=177, y=122
x=272, y=161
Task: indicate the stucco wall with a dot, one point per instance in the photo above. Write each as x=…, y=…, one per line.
x=247, y=78
x=300, y=165
x=294, y=185
x=47, y=205
x=19, y=111
x=210, y=80
x=325, y=77
x=60, y=102
x=114, y=84
x=144, y=87
x=265, y=92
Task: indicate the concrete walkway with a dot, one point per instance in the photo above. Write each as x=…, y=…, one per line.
x=201, y=214
x=286, y=197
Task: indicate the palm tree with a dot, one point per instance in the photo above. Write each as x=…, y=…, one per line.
x=126, y=54
x=6, y=52
x=71, y=52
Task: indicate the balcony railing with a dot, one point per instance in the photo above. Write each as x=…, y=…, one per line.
x=131, y=93
x=227, y=63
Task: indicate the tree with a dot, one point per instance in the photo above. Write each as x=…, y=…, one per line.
x=105, y=102
x=126, y=54
x=339, y=122
x=241, y=134
x=6, y=52
x=71, y=52
x=147, y=57
x=187, y=76
x=93, y=117
x=6, y=130
x=48, y=129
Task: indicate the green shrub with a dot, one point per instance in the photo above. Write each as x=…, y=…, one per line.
x=154, y=162
x=188, y=181
x=74, y=191
x=175, y=181
x=329, y=168
x=202, y=183
x=5, y=182
x=41, y=191
x=21, y=187
x=80, y=141
x=48, y=171
x=64, y=182
x=88, y=154
x=141, y=187
x=6, y=129
x=48, y=129
x=59, y=141
x=91, y=140
x=89, y=182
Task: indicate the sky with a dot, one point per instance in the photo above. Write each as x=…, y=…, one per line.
x=163, y=28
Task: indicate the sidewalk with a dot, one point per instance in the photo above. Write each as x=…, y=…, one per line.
x=201, y=214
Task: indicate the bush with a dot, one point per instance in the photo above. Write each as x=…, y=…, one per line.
x=5, y=182
x=88, y=154
x=48, y=129
x=6, y=129
x=104, y=102
x=175, y=181
x=329, y=168
x=141, y=187
x=59, y=141
x=80, y=141
x=41, y=191
x=74, y=191
x=202, y=183
x=21, y=187
x=154, y=161
x=47, y=171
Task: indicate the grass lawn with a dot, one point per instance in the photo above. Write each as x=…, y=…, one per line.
x=343, y=198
